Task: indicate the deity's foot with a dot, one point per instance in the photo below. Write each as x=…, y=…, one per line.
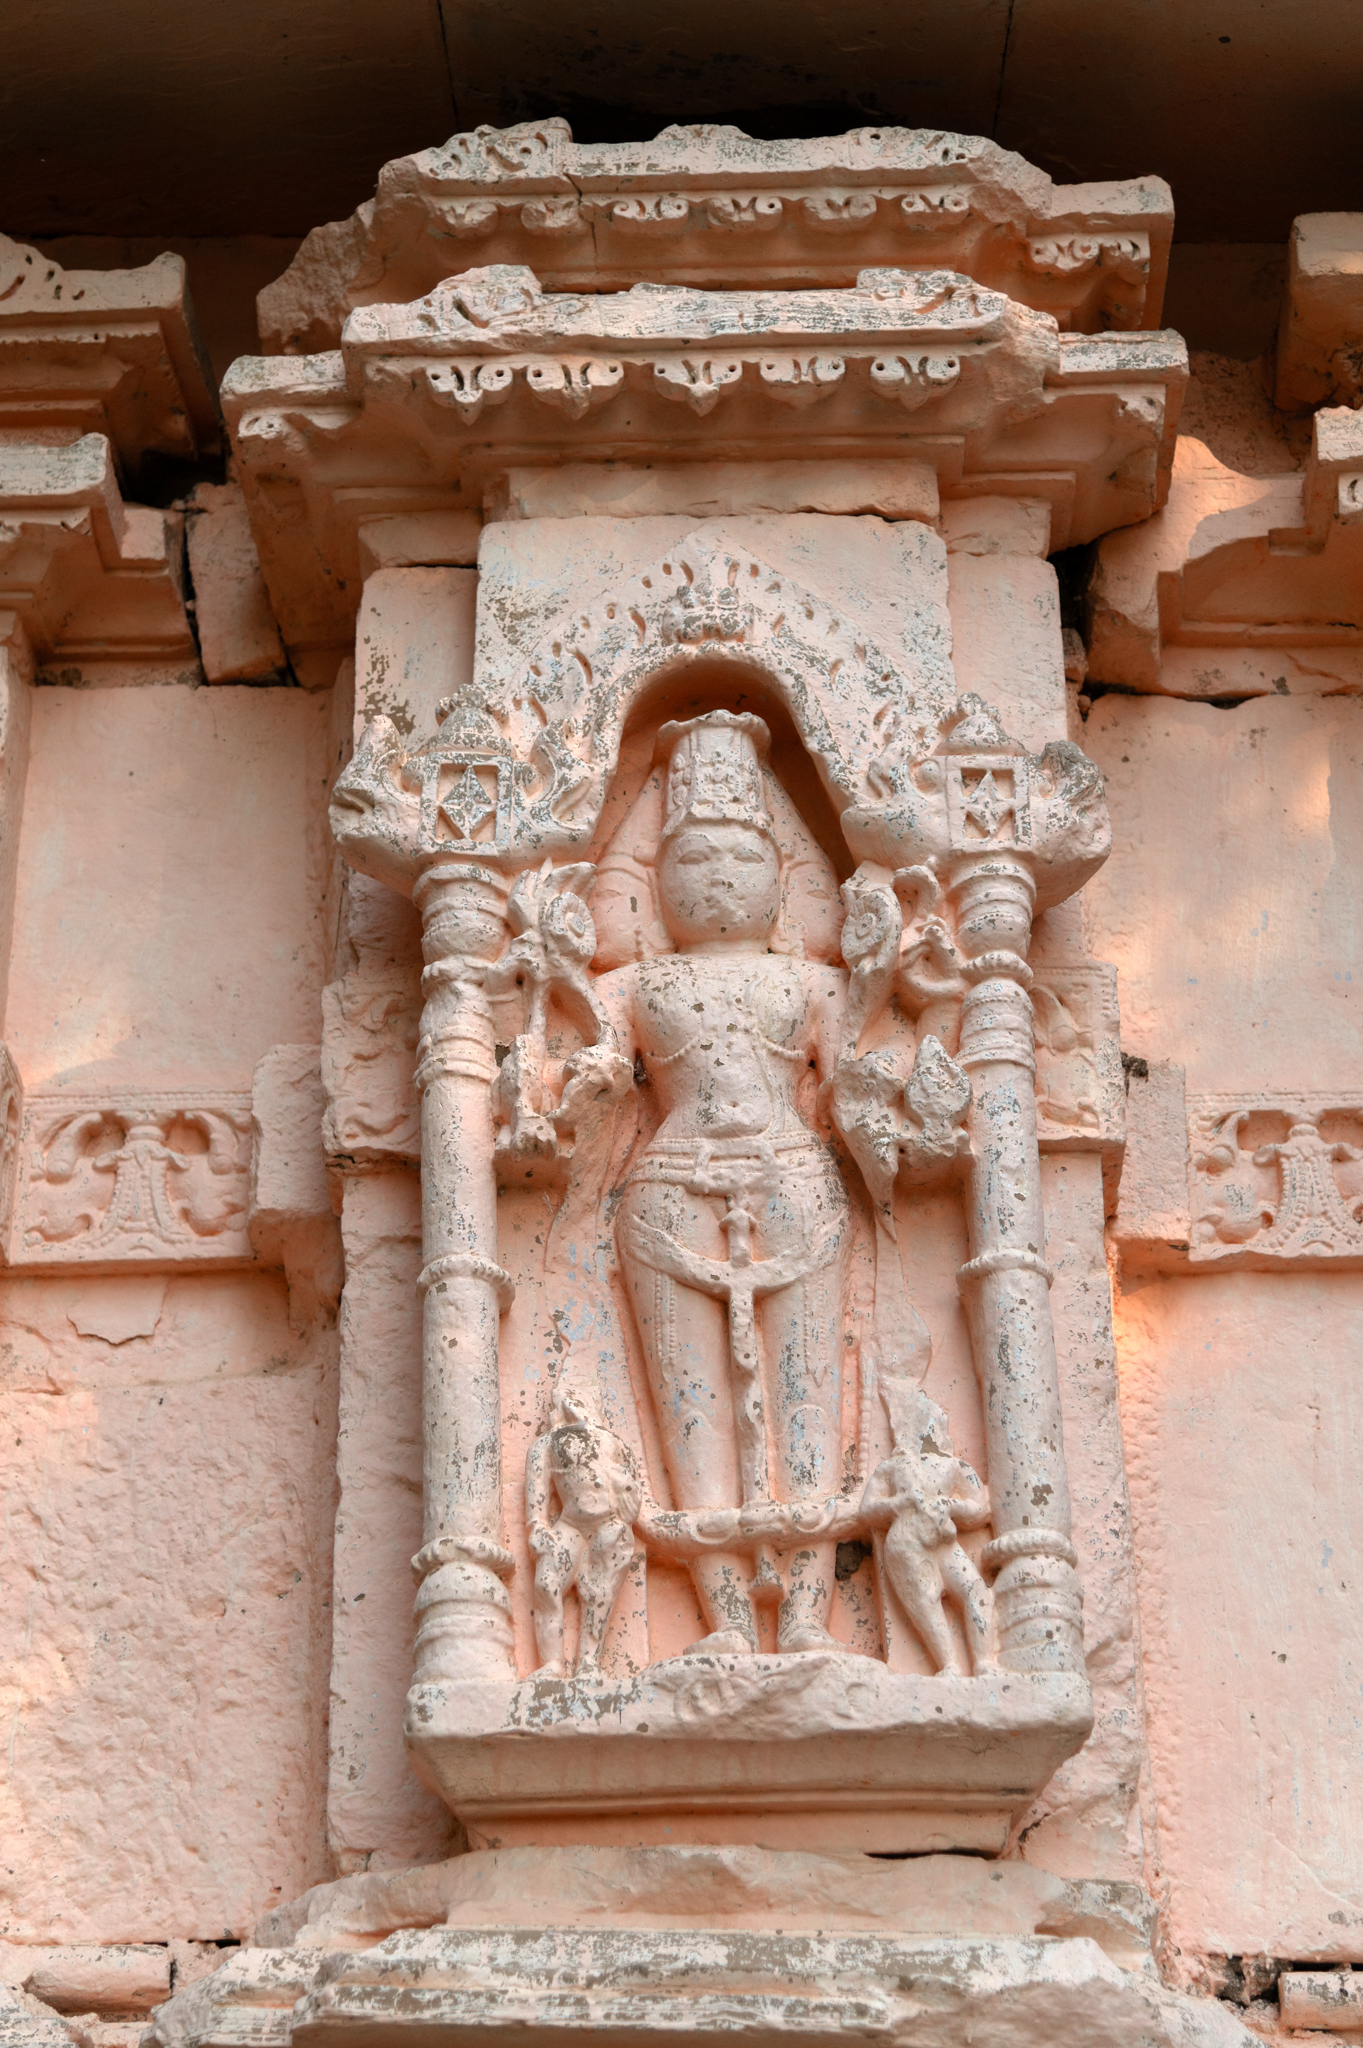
x=812, y=1635
x=725, y=1642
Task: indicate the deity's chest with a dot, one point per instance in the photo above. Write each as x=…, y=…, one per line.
x=713, y=1009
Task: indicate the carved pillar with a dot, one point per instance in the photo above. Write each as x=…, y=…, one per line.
x=463, y=1610
x=1011, y=816
x=1006, y=1281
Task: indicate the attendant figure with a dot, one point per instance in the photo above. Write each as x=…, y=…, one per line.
x=922, y=1496
x=590, y=1542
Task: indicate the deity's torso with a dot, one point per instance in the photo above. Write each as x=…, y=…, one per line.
x=726, y=1040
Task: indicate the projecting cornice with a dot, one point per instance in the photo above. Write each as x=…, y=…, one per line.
x=111, y=352
x=425, y=407
x=89, y=577
x=711, y=206
x=1242, y=584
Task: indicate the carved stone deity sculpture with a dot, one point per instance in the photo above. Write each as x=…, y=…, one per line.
x=682, y=1092
x=922, y=1496
x=733, y=1228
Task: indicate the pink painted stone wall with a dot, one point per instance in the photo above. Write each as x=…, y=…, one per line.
x=168, y=1439
x=1233, y=907
x=212, y=1496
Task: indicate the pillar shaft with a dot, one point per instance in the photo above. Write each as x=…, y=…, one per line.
x=1006, y=1281
x=463, y=1610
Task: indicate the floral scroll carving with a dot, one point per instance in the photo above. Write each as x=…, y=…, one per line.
x=1276, y=1176
x=157, y=1177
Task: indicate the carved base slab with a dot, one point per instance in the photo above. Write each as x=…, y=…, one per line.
x=814, y=1751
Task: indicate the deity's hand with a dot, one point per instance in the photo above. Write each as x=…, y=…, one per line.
x=758, y=1518
x=543, y=1539
x=865, y=1095
x=930, y=971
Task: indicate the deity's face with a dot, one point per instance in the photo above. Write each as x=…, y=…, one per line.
x=719, y=884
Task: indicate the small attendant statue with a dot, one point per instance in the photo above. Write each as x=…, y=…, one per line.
x=590, y=1543
x=922, y=1495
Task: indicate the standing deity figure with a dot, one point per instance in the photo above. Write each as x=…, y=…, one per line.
x=733, y=1224
x=922, y=1496
x=590, y=1543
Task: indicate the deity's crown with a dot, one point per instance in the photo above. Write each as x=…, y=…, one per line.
x=714, y=771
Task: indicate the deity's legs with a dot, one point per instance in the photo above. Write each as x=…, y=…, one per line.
x=688, y=1341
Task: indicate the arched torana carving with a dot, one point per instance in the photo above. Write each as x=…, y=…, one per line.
x=542, y=742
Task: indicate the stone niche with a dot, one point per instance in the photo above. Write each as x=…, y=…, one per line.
x=725, y=919
x=746, y=1509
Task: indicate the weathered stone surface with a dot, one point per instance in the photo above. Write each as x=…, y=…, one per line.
x=1236, y=1391
x=695, y=1887
x=378, y=1816
x=182, y=937
x=1241, y=585
x=688, y=540
x=697, y=1983
x=1321, y=331
x=1273, y=902
x=90, y=578
x=118, y=1980
x=928, y=357
x=169, y=1519
x=1331, y=2000
x=238, y=639
x=107, y=352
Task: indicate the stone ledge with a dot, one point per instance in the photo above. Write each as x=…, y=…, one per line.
x=816, y=1751
x=540, y=1986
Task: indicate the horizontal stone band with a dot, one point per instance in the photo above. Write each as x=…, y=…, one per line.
x=467, y=1266
x=1027, y=1543
x=1004, y=1261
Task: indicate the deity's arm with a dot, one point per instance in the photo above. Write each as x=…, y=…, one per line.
x=969, y=1498
x=614, y=994
x=881, y=1500
x=605, y=1067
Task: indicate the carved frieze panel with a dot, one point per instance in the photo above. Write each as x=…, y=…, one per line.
x=983, y=392
x=1276, y=1176
x=710, y=206
x=144, y=1178
x=103, y=352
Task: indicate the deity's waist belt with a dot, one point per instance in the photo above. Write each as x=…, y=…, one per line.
x=733, y=1166
x=649, y=1246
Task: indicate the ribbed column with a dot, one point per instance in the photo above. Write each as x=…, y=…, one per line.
x=463, y=1610
x=1006, y=1282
